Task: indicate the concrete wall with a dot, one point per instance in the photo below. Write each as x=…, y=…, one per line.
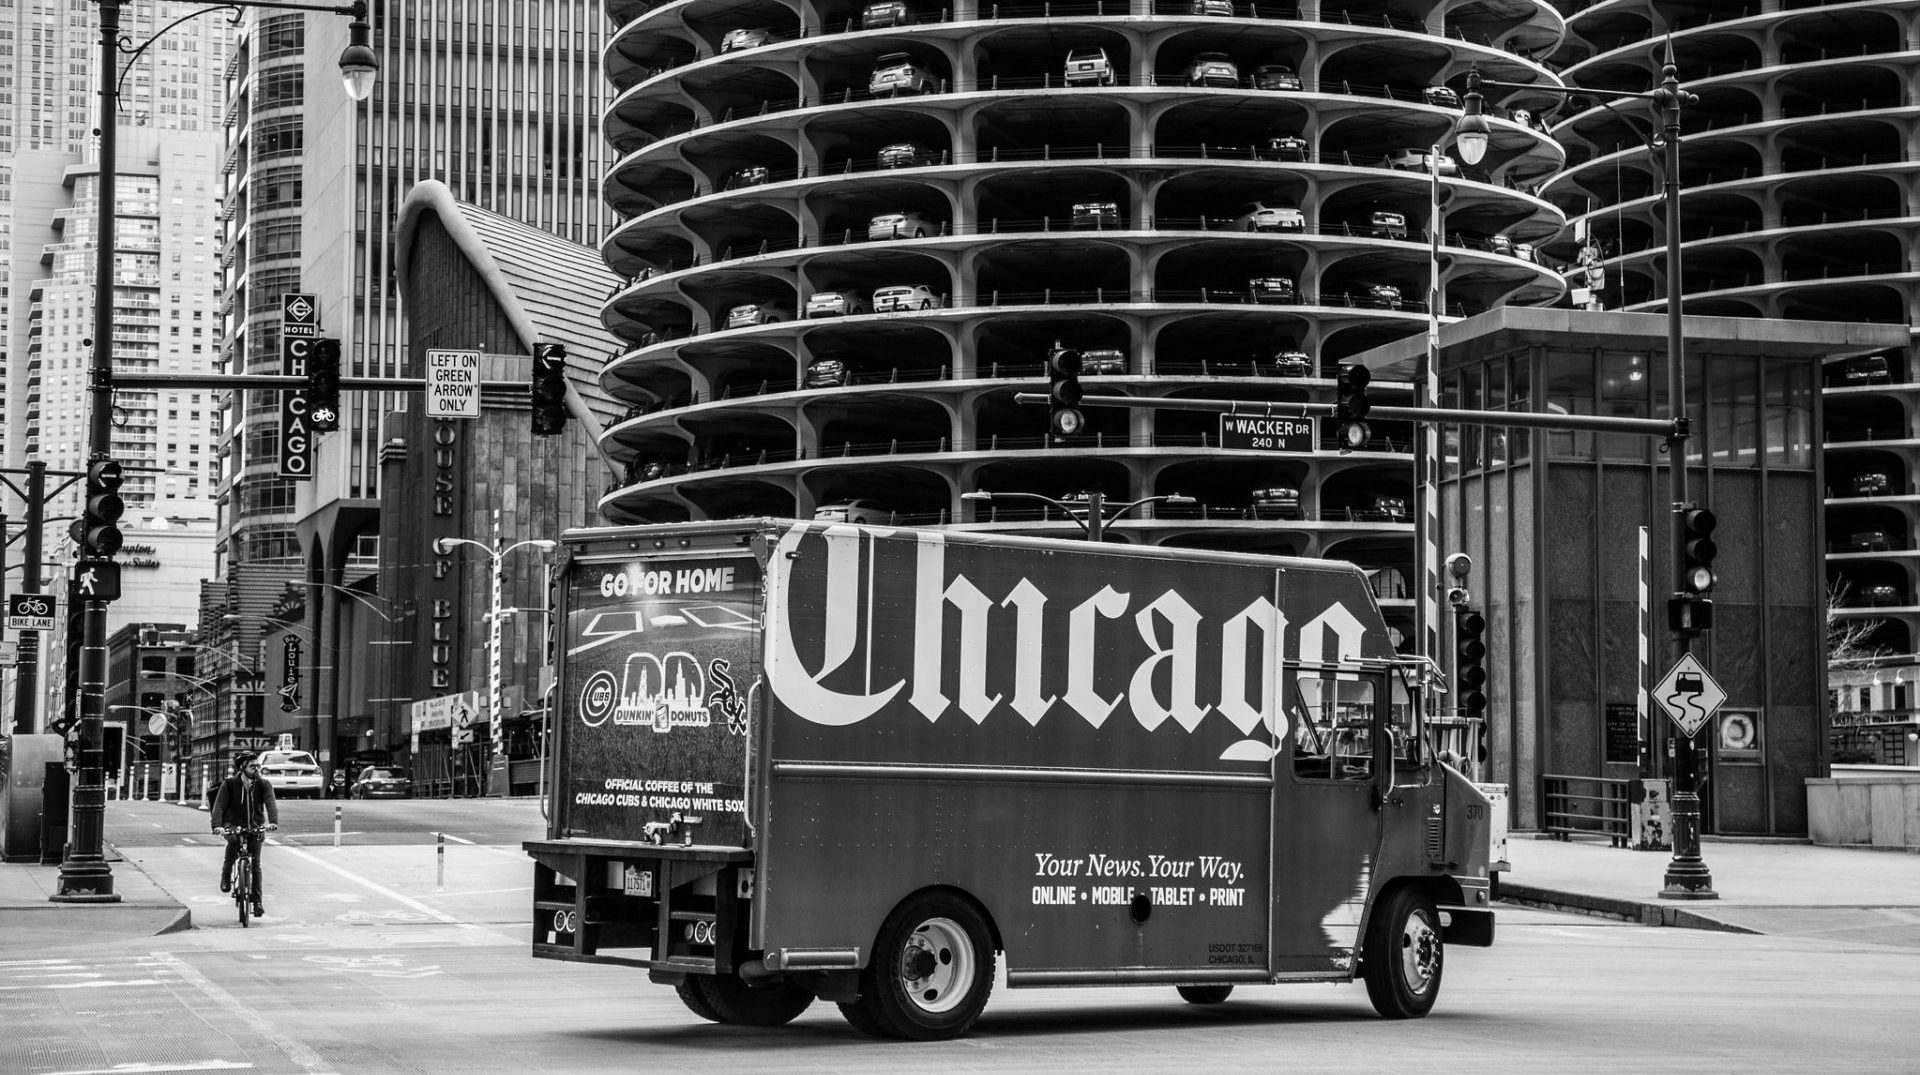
x=1875, y=806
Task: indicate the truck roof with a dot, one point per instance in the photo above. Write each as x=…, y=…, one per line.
x=620, y=539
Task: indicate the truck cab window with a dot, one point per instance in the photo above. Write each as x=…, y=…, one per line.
x=1333, y=727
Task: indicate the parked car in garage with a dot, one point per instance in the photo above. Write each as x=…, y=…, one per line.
x=1275, y=76
x=1869, y=541
x=292, y=773
x=1871, y=483
x=1213, y=69
x=854, y=510
x=1387, y=224
x=828, y=373
x=1383, y=296
x=1218, y=8
x=833, y=304
x=1107, y=361
x=378, y=782
x=1289, y=364
x=1276, y=502
x=1442, y=96
x=755, y=313
x=1415, y=160
x=1269, y=216
x=1285, y=147
x=1273, y=289
x=1872, y=369
x=902, y=225
x=885, y=13
x=897, y=73
x=906, y=155
x=752, y=175
x=1393, y=507
x=1088, y=67
x=736, y=40
x=904, y=297
x=1883, y=595
x=1096, y=215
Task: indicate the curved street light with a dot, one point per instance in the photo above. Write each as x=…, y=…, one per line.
x=496, y=554
x=1097, y=513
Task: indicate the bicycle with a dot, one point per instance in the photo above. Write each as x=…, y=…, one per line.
x=244, y=865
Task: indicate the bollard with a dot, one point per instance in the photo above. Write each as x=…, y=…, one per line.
x=336, y=824
x=440, y=856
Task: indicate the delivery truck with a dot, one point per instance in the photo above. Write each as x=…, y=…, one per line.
x=801, y=760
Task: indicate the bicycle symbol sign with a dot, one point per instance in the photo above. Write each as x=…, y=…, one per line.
x=30, y=611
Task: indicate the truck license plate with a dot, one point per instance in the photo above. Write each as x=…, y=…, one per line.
x=636, y=882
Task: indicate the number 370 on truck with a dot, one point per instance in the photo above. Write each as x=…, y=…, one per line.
x=802, y=761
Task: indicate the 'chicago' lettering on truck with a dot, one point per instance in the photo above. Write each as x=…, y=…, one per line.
x=803, y=761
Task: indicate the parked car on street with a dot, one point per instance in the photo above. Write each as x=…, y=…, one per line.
x=378, y=782
x=828, y=373
x=906, y=155
x=736, y=40
x=904, y=297
x=897, y=73
x=1269, y=216
x=833, y=304
x=1275, y=76
x=292, y=773
x=854, y=510
x=755, y=313
x=1276, y=502
x=1273, y=289
x=1088, y=67
x=1213, y=69
x=903, y=225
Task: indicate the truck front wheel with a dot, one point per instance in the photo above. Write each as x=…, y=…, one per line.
x=734, y=1001
x=931, y=971
x=1404, y=955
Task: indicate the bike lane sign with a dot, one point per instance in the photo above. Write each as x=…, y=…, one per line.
x=1689, y=695
x=30, y=611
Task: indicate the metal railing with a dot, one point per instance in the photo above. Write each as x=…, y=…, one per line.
x=1587, y=805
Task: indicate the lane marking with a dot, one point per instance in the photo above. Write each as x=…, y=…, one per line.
x=191, y=1065
x=372, y=886
x=294, y=1050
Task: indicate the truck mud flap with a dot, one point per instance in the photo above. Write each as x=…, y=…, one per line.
x=1468, y=928
x=674, y=910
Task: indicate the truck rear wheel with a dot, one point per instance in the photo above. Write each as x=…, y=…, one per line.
x=695, y=998
x=734, y=1001
x=931, y=971
x=1404, y=955
x=1205, y=994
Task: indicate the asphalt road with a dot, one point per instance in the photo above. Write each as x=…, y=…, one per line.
x=383, y=955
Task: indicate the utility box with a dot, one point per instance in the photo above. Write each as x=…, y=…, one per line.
x=1650, y=809
x=23, y=776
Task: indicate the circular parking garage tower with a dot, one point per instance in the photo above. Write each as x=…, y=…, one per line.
x=852, y=234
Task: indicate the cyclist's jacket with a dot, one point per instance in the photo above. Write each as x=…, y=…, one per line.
x=244, y=803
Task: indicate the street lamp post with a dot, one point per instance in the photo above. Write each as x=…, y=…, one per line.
x=1097, y=514
x=496, y=744
x=85, y=876
x=1687, y=876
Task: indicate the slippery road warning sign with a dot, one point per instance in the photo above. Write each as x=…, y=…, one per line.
x=453, y=384
x=1689, y=695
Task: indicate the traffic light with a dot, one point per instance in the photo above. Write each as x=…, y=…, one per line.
x=549, y=389
x=1691, y=611
x=1351, y=407
x=1065, y=418
x=96, y=531
x=1470, y=660
x=323, y=386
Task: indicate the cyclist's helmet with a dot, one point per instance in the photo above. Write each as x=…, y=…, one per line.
x=245, y=757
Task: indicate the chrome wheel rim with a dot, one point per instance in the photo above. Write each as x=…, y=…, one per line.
x=1419, y=953
x=937, y=968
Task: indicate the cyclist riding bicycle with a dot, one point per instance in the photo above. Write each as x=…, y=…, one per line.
x=245, y=809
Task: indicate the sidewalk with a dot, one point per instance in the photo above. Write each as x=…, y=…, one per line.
x=28, y=916
x=1762, y=886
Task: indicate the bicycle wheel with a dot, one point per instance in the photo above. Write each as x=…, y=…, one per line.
x=243, y=886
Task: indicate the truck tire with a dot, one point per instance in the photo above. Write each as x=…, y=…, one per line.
x=1404, y=955
x=931, y=972
x=734, y=1001
x=695, y=998
x=1205, y=994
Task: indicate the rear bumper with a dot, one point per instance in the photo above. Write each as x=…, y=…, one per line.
x=672, y=909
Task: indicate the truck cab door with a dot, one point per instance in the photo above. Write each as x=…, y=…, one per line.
x=1327, y=824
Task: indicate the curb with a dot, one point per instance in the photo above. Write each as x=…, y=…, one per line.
x=1647, y=914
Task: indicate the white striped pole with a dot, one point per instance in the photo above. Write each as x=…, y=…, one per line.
x=1426, y=519
x=1644, y=753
